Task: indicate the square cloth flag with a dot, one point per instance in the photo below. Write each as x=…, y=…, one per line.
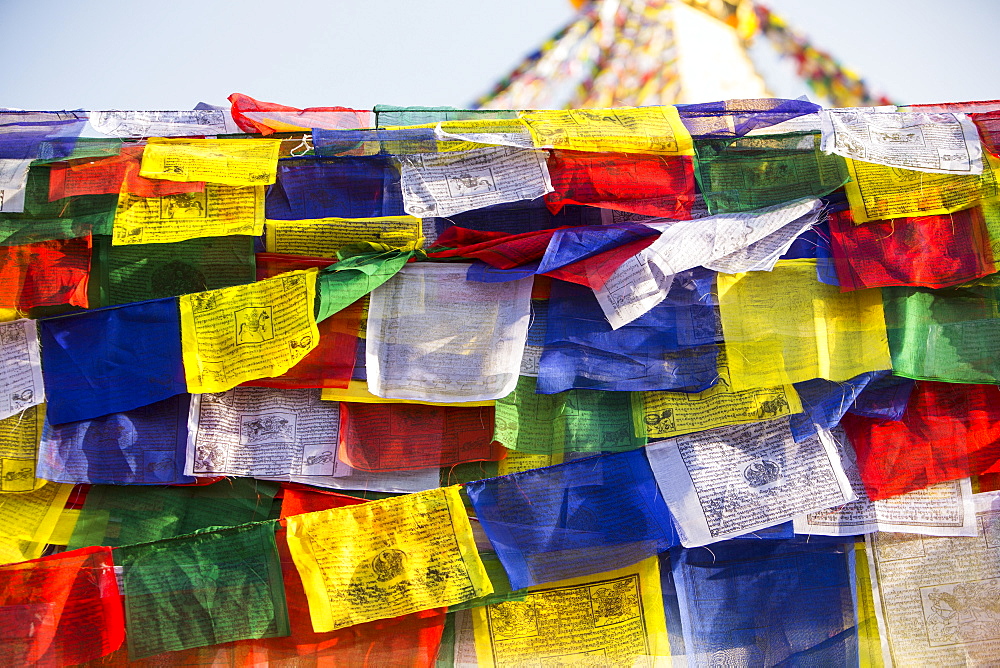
x=784, y=326
x=60, y=610
x=202, y=589
x=575, y=518
x=386, y=558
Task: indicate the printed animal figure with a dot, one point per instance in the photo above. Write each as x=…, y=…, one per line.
x=771, y=407
x=322, y=458
x=387, y=564
x=252, y=329
x=187, y=204
x=762, y=473
x=265, y=427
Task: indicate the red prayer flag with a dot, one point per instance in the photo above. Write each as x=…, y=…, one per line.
x=244, y=103
x=401, y=437
x=928, y=251
x=299, y=498
x=45, y=273
x=988, y=124
x=497, y=249
x=60, y=610
x=105, y=176
x=949, y=431
x=651, y=185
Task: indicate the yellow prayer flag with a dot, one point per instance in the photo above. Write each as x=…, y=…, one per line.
x=386, y=558
x=217, y=211
x=357, y=392
x=517, y=461
x=258, y=330
x=876, y=192
x=19, y=438
x=665, y=414
x=629, y=129
x=869, y=641
x=323, y=237
x=28, y=520
x=231, y=162
x=784, y=326
x=610, y=619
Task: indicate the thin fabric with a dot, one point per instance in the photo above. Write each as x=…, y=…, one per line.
x=766, y=603
x=338, y=188
x=581, y=517
x=60, y=610
x=672, y=347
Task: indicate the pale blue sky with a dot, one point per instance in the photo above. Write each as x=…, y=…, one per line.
x=136, y=54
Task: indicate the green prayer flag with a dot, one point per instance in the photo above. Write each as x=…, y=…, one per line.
x=203, y=589
x=115, y=515
x=570, y=421
x=754, y=172
x=354, y=276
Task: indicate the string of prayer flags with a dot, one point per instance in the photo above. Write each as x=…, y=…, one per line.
x=246, y=332
x=655, y=130
x=727, y=481
x=141, y=446
x=573, y=519
x=671, y=347
x=386, y=558
x=766, y=603
x=571, y=421
x=202, y=589
x=949, y=431
x=814, y=331
x=877, y=191
x=434, y=336
x=231, y=162
x=392, y=437
x=110, y=515
x=28, y=519
x=573, y=618
x=930, y=251
x=652, y=185
x=60, y=610
x=111, y=360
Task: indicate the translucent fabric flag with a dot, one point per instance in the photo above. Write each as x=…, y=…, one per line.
x=309, y=189
x=45, y=273
x=766, y=603
x=930, y=251
x=434, y=336
x=523, y=216
x=135, y=273
x=988, y=125
x=497, y=249
x=949, y=431
x=614, y=618
x=664, y=414
x=388, y=115
x=755, y=172
x=60, y=610
x=267, y=117
x=735, y=118
x=812, y=331
x=936, y=597
x=589, y=255
x=729, y=481
x=945, y=334
x=21, y=380
x=142, y=446
x=878, y=191
x=653, y=185
x=573, y=519
x=111, y=360
x=885, y=398
x=342, y=284
x=105, y=176
x=67, y=218
x=326, y=236
x=231, y=162
x=386, y=558
x=202, y=589
x=202, y=120
x=626, y=129
x=399, y=437
x=112, y=516
x=357, y=393
x=575, y=421
x=442, y=184
x=331, y=362
x=824, y=402
x=672, y=347
x=217, y=211
x=39, y=134
x=19, y=436
x=27, y=521
x=242, y=333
